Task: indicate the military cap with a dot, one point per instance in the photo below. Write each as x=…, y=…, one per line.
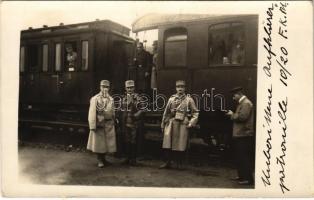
x=105, y=83
x=180, y=82
x=236, y=89
x=129, y=83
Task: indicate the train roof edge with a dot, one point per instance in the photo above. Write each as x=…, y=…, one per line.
x=153, y=20
x=104, y=25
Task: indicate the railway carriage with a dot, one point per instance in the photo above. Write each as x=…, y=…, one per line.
x=54, y=93
x=211, y=53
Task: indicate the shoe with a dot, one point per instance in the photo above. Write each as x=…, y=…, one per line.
x=100, y=164
x=165, y=165
x=236, y=179
x=245, y=182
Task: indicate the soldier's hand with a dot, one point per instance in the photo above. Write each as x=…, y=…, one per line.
x=229, y=112
x=146, y=74
x=189, y=125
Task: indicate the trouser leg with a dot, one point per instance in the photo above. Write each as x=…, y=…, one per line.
x=168, y=157
x=238, y=156
x=246, y=166
x=100, y=156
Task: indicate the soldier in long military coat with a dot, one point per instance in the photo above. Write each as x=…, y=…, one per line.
x=131, y=121
x=101, y=116
x=180, y=114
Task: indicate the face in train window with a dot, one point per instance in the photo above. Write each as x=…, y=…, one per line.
x=22, y=59
x=226, y=44
x=70, y=56
x=33, y=57
x=84, y=55
x=175, y=47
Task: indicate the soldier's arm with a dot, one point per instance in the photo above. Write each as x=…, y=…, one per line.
x=194, y=112
x=165, y=116
x=92, y=114
x=243, y=114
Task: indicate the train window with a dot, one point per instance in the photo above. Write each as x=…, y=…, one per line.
x=22, y=59
x=58, y=57
x=84, y=55
x=175, y=47
x=71, y=56
x=33, y=57
x=45, y=58
x=226, y=43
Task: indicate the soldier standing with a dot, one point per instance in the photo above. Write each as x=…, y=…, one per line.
x=176, y=123
x=101, y=115
x=131, y=120
x=143, y=66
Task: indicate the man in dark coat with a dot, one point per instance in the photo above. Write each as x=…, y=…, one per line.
x=143, y=64
x=243, y=132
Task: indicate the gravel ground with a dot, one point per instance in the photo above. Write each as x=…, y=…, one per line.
x=42, y=164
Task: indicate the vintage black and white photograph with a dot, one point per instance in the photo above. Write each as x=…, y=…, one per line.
x=147, y=95
x=168, y=101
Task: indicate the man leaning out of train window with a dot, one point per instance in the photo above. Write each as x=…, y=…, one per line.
x=101, y=118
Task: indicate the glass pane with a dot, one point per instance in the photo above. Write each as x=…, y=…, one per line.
x=58, y=57
x=175, y=53
x=45, y=57
x=33, y=57
x=84, y=55
x=226, y=43
x=22, y=59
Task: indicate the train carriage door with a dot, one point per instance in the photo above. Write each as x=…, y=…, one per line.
x=174, y=59
x=55, y=80
x=77, y=77
x=69, y=89
x=120, y=60
x=30, y=69
x=46, y=82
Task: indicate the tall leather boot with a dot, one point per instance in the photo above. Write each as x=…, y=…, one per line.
x=133, y=155
x=168, y=158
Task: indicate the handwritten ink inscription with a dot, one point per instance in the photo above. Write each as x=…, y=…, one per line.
x=276, y=18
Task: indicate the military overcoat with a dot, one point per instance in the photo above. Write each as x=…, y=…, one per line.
x=101, y=115
x=179, y=113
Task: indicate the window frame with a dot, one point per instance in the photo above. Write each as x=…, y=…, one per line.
x=27, y=67
x=42, y=57
x=173, y=31
x=88, y=55
x=24, y=59
x=243, y=24
x=55, y=56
